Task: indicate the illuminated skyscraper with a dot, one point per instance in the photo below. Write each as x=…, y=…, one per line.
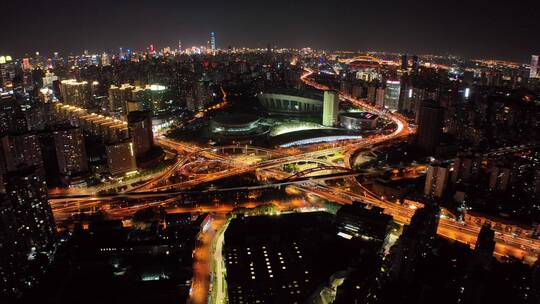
x=391, y=95
x=213, y=41
x=330, y=108
x=535, y=68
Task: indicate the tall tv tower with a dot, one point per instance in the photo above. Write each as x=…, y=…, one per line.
x=213, y=41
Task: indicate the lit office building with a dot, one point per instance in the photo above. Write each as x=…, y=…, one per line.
x=121, y=157
x=391, y=95
x=535, y=68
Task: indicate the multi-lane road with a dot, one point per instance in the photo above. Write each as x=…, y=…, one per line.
x=507, y=244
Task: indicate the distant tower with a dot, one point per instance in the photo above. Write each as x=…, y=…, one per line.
x=179, y=46
x=535, y=69
x=213, y=41
x=330, y=108
x=105, y=59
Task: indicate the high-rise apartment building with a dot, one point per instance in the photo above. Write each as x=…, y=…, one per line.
x=26, y=228
x=21, y=149
x=77, y=93
x=70, y=151
x=202, y=95
x=436, y=181
x=140, y=130
x=126, y=98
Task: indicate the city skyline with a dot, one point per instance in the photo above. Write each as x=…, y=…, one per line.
x=473, y=31
x=269, y=152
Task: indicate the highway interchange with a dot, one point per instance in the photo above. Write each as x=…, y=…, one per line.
x=271, y=164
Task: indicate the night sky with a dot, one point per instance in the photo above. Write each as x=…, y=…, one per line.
x=473, y=28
